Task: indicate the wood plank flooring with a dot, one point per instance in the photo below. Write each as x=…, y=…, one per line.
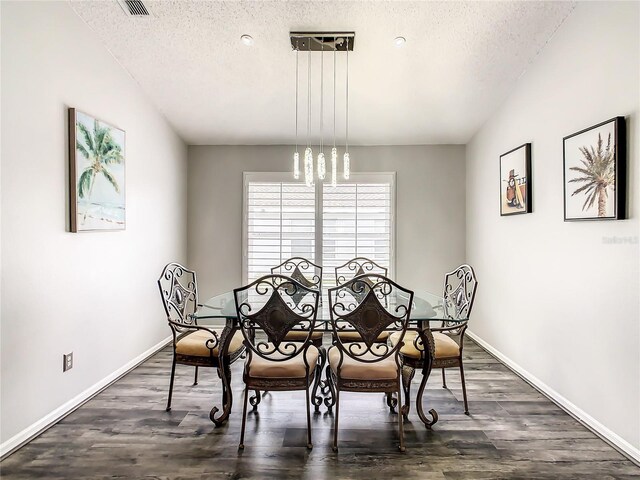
x=513, y=432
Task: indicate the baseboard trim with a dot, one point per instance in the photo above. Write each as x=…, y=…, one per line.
x=32, y=431
x=612, y=438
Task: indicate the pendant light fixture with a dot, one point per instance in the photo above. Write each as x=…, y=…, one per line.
x=334, y=150
x=319, y=42
x=322, y=168
x=296, y=155
x=346, y=160
x=308, y=153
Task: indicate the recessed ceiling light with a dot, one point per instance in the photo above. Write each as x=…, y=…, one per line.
x=399, y=41
x=247, y=39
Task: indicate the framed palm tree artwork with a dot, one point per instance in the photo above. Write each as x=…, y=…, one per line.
x=96, y=174
x=595, y=172
x=515, y=181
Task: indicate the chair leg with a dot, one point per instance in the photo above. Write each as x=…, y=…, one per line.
x=444, y=381
x=173, y=373
x=335, y=424
x=400, y=418
x=407, y=377
x=309, y=444
x=464, y=389
x=195, y=379
x=244, y=417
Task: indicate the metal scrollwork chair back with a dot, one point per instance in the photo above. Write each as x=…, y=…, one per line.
x=302, y=271
x=308, y=274
x=193, y=344
x=358, y=266
x=268, y=310
x=445, y=343
x=459, y=293
x=368, y=304
x=179, y=292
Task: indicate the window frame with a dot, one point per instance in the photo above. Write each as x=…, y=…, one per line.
x=286, y=177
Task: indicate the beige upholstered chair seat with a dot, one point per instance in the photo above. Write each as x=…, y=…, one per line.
x=353, y=336
x=352, y=369
x=301, y=336
x=445, y=346
x=295, y=367
x=195, y=344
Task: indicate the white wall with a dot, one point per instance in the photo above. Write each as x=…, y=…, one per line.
x=90, y=293
x=554, y=297
x=429, y=207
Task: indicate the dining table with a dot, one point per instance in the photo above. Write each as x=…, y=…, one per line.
x=219, y=312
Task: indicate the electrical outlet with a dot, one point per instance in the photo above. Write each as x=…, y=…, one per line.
x=67, y=361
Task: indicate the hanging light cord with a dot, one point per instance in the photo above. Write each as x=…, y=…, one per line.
x=347, y=109
x=309, y=96
x=334, y=94
x=297, y=97
x=322, y=98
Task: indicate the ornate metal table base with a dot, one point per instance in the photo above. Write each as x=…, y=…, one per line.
x=409, y=366
x=224, y=372
x=434, y=415
x=256, y=398
x=316, y=399
x=325, y=387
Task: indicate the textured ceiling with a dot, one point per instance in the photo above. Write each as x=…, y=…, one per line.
x=461, y=59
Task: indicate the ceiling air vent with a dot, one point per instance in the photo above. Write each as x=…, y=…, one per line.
x=134, y=8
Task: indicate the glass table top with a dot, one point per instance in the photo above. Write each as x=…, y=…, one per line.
x=426, y=307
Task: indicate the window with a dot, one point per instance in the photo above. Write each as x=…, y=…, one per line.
x=327, y=225
x=279, y=224
x=356, y=222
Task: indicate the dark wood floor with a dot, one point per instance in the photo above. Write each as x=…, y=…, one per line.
x=513, y=432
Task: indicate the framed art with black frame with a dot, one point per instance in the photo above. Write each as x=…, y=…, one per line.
x=595, y=172
x=515, y=181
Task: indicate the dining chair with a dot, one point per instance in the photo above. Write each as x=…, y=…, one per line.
x=266, y=314
x=302, y=271
x=308, y=274
x=358, y=266
x=193, y=344
x=459, y=293
x=353, y=268
x=368, y=304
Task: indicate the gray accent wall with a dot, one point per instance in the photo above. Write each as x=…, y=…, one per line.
x=430, y=203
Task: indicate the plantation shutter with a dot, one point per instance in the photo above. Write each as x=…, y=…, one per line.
x=327, y=225
x=357, y=222
x=280, y=224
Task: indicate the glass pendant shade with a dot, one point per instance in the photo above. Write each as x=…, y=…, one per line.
x=322, y=166
x=334, y=166
x=308, y=167
x=296, y=165
x=347, y=168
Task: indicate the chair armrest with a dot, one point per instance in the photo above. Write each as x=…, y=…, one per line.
x=180, y=329
x=450, y=328
x=455, y=332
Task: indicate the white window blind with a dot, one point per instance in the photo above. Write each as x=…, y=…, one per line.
x=356, y=222
x=280, y=225
x=328, y=225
